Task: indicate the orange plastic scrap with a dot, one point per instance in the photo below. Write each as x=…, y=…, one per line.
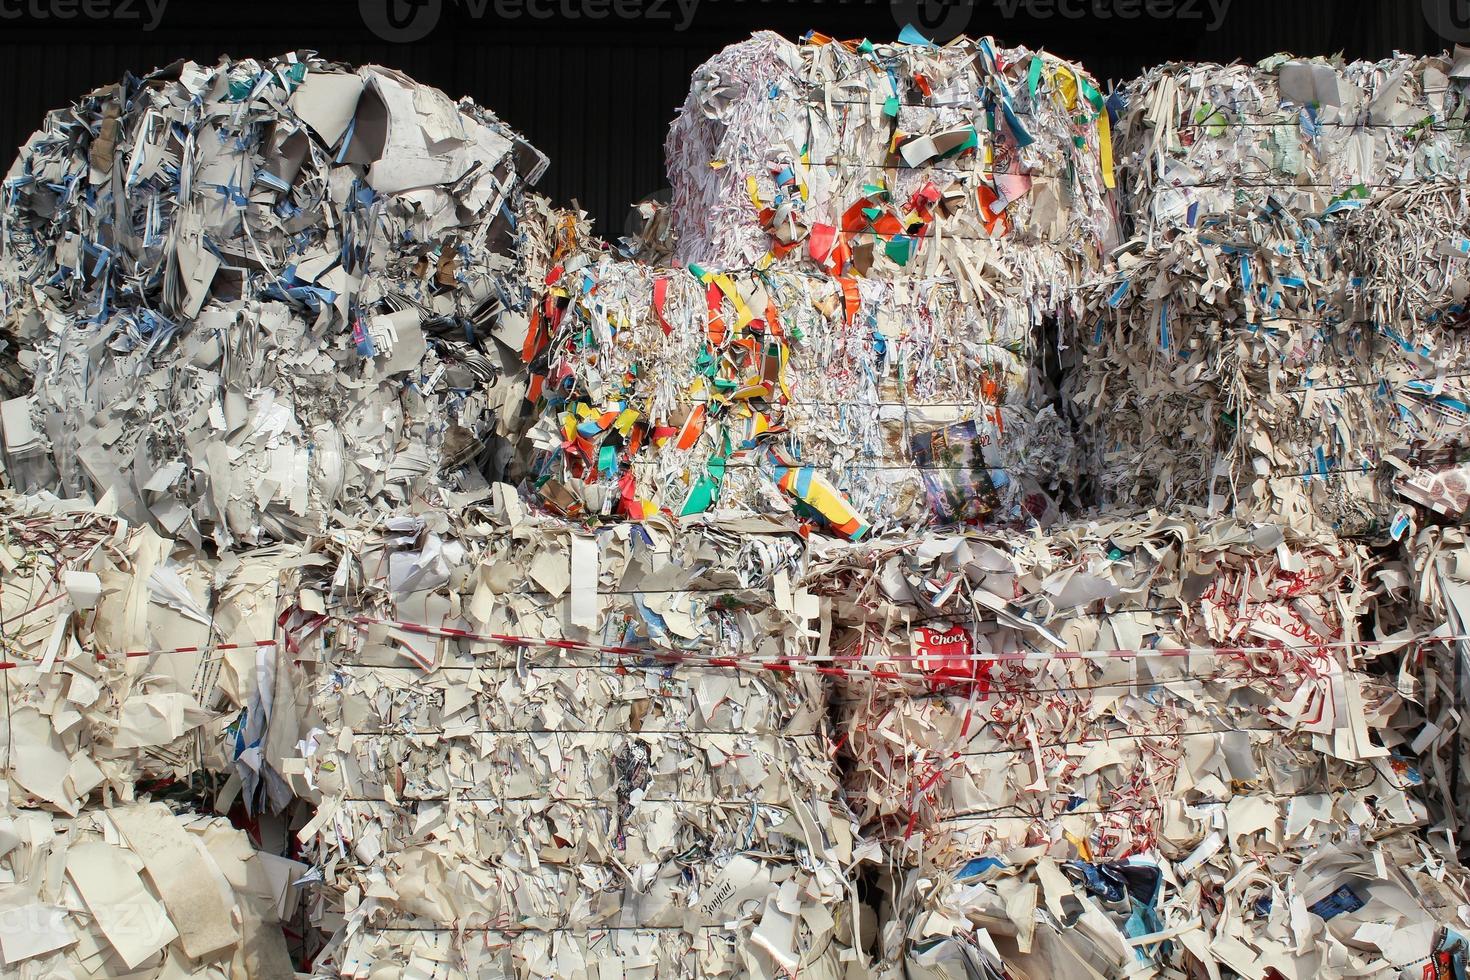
x=780, y=250
x=716, y=328
x=851, y=299
x=773, y=319
x=997, y=221
x=855, y=218
x=534, y=341
x=690, y=431
x=888, y=224
x=840, y=257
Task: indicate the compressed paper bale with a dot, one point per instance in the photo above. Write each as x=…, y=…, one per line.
x=780, y=146
x=132, y=657
x=1249, y=352
x=1195, y=137
x=527, y=789
x=259, y=285
x=875, y=367
x=994, y=702
x=705, y=392
x=1027, y=741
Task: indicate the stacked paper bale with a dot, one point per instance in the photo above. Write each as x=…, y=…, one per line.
x=1410, y=251
x=549, y=750
x=1238, y=335
x=140, y=891
x=973, y=161
x=941, y=205
x=595, y=741
x=1136, y=729
x=887, y=403
x=128, y=659
x=970, y=777
x=1307, y=132
x=1228, y=369
x=260, y=291
x=129, y=670
x=257, y=297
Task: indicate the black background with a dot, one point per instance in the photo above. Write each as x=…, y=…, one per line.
x=597, y=95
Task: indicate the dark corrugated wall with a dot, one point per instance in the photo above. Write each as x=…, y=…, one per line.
x=597, y=96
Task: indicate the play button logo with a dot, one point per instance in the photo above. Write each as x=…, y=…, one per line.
x=401, y=21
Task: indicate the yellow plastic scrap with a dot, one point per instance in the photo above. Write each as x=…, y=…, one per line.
x=625, y=421
x=743, y=316
x=753, y=189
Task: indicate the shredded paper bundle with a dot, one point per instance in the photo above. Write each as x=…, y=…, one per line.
x=257, y=291
x=561, y=743
x=855, y=404
x=985, y=164
x=1254, y=337
x=1139, y=708
x=1227, y=369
